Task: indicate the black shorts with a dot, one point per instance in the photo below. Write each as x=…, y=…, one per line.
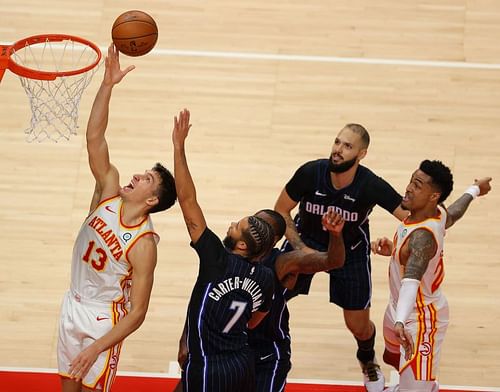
x=350, y=286
x=271, y=369
x=221, y=373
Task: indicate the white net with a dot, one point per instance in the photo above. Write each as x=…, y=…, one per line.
x=54, y=103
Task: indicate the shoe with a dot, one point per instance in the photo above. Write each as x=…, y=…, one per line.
x=373, y=377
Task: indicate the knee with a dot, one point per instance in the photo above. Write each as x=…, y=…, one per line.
x=361, y=329
x=391, y=358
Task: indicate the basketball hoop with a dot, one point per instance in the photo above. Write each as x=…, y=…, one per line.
x=54, y=70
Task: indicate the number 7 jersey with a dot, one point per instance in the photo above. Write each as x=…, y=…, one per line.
x=100, y=269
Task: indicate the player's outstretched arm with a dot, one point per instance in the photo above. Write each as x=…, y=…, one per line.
x=142, y=257
x=104, y=173
x=289, y=264
x=186, y=191
x=457, y=209
x=400, y=213
x=284, y=205
x=182, y=352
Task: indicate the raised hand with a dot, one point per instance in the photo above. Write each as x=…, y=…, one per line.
x=484, y=185
x=181, y=128
x=382, y=246
x=333, y=222
x=113, y=74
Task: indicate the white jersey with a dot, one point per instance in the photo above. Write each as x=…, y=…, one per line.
x=430, y=284
x=429, y=318
x=100, y=269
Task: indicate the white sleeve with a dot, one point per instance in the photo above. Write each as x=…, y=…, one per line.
x=407, y=298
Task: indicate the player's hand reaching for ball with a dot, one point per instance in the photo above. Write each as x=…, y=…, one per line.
x=113, y=74
x=333, y=222
x=181, y=128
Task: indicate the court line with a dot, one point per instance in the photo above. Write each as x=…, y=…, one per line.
x=324, y=59
x=291, y=380
x=312, y=58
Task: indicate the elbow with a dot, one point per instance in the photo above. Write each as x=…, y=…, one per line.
x=187, y=202
x=337, y=262
x=93, y=138
x=186, y=198
x=137, y=318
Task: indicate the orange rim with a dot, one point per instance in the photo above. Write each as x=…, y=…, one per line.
x=47, y=75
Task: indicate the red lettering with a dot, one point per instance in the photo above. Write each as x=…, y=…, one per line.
x=98, y=264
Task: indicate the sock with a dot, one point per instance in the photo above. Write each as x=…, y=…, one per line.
x=366, y=348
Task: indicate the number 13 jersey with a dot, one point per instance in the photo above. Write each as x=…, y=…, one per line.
x=100, y=269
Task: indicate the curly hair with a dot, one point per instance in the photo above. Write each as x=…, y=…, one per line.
x=259, y=237
x=441, y=177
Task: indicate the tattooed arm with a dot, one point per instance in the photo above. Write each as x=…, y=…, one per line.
x=458, y=208
x=186, y=191
x=290, y=264
x=422, y=248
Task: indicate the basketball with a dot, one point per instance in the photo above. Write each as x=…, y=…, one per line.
x=134, y=33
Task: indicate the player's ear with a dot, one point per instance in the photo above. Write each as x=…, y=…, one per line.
x=362, y=153
x=435, y=197
x=241, y=245
x=152, y=201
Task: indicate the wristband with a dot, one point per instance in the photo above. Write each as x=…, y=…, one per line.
x=473, y=190
x=406, y=300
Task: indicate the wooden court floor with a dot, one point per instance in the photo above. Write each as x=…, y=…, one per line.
x=269, y=84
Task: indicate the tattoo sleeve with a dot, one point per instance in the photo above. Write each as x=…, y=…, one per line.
x=423, y=247
x=299, y=262
x=457, y=209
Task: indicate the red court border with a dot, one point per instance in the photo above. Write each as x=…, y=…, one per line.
x=32, y=381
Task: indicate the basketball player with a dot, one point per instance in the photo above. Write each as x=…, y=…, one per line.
x=114, y=257
x=416, y=317
x=352, y=190
x=270, y=340
x=233, y=291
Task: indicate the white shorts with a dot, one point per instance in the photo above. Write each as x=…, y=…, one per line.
x=81, y=323
x=428, y=327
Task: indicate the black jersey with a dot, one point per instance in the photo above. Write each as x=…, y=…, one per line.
x=274, y=328
x=312, y=188
x=228, y=289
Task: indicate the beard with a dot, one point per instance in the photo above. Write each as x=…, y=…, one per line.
x=340, y=167
x=229, y=243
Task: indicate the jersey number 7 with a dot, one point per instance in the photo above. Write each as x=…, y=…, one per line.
x=240, y=308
